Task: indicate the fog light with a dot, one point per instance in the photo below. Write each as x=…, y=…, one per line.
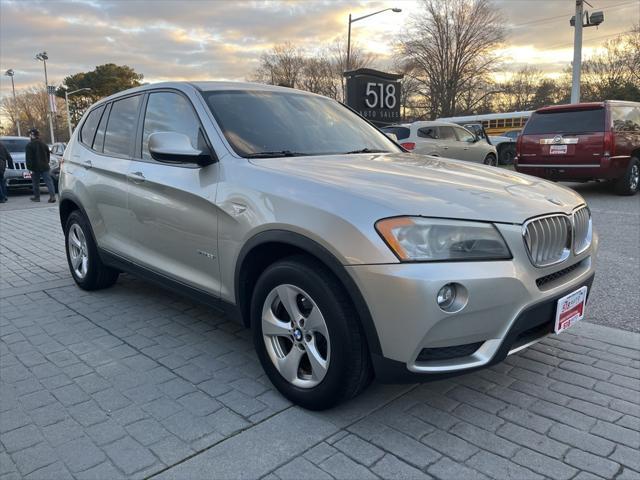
x=446, y=296
x=452, y=297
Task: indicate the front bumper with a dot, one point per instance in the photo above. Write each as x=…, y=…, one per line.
x=505, y=300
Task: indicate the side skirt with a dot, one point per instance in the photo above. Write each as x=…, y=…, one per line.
x=116, y=261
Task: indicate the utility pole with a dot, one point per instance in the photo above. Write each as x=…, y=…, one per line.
x=44, y=57
x=593, y=20
x=577, y=54
x=10, y=73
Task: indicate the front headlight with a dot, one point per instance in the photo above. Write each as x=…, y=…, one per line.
x=418, y=239
x=53, y=163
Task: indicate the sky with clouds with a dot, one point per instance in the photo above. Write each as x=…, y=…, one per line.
x=222, y=39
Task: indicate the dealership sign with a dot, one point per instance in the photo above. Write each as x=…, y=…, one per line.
x=375, y=95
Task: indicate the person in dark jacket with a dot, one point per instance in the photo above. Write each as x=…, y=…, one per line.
x=5, y=161
x=37, y=156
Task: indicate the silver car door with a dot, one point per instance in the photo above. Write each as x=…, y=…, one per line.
x=466, y=145
x=174, y=220
x=449, y=145
x=101, y=168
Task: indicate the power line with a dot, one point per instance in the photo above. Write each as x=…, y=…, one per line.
x=589, y=39
x=541, y=20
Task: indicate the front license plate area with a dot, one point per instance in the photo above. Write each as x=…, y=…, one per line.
x=570, y=309
x=26, y=175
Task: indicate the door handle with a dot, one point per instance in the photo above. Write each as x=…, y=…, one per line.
x=87, y=164
x=136, y=177
x=445, y=148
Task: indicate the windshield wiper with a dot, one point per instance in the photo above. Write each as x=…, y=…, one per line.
x=275, y=154
x=366, y=150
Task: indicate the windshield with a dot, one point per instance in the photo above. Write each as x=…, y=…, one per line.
x=566, y=121
x=262, y=123
x=15, y=145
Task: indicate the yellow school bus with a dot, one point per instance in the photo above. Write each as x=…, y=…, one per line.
x=495, y=123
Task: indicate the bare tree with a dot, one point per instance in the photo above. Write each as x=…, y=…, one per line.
x=281, y=66
x=30, y=108
x=320, y=73
x=519, y=91
x=450, y=47
x=613, y=74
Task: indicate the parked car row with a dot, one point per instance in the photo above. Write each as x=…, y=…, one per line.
x=346, y=255
x=580, y=142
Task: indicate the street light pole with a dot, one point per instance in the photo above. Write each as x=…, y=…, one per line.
x=593, y=20
x=352, y=20
x=10, y=73
x=44, y=57
x=66, y=102
x=577, y=54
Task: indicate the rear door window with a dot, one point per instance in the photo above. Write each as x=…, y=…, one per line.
x=121, y=127
x=427, y=132
x=88, y=130
x=566, y=121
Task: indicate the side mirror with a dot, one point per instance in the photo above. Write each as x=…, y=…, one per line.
x=174, y=147
x=392, y=136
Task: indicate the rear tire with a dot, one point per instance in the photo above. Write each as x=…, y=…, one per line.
x=85, y=265
x=629, y=182
x=491, y=160
x=320, y=359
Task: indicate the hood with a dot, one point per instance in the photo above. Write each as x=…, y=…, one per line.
x=18, y=156
x=411, y=184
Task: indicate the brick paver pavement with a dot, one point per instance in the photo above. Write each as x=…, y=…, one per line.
x=137, y=382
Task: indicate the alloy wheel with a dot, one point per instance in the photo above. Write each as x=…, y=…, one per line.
x=296, y=336
x=78, y=251
x=634, y=178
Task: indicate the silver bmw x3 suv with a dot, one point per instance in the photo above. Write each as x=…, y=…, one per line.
x=348, y=257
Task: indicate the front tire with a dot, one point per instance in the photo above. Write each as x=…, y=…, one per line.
x=85, y=265
x=491, y=160
x=307, y=335
x=629, y=182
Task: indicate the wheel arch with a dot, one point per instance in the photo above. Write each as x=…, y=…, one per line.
x=69, y=203
x=270, y=246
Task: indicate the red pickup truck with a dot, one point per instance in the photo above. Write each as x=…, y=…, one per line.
x=584, y=141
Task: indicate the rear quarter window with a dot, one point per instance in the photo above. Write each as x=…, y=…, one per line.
x=566, y=121
x=625, y=118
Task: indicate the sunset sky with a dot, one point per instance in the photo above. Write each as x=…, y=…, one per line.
x=219, y=39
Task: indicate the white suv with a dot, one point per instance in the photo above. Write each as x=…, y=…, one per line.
x=345, y=255
x=444, y=139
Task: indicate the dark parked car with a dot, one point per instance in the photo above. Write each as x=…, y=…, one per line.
x=585, y=141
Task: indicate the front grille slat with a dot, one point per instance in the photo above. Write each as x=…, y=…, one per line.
x=582, y=229
x=548, y=239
